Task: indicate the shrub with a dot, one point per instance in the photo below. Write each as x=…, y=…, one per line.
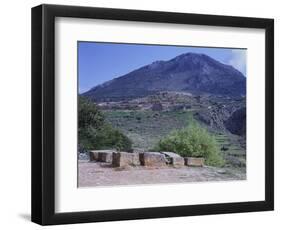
x=192, y=141
x=104, y=138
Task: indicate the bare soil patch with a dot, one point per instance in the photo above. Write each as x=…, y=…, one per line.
x=103, y=174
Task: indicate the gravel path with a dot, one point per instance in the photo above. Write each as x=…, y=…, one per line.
x=102, y=174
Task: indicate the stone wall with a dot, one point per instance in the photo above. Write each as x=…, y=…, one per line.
x=149, y=159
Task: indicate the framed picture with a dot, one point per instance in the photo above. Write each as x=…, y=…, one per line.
x=141, y=114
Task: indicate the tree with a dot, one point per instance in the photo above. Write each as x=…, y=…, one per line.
x=89, y=115
x=95, y=133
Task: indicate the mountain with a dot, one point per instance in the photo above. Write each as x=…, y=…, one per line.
x=191, y=72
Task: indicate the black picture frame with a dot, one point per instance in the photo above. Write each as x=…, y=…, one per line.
x=43, y=114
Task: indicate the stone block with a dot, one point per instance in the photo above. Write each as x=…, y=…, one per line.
x=177, y=161
x=122, y=159
x=194, y=161
x=152, y=159
x=94, y=155
x=105, y=156
x=174, y=159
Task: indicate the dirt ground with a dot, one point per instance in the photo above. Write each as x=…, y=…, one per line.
x=103, y=174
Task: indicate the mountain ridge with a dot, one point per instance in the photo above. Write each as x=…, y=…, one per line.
x=189, y=72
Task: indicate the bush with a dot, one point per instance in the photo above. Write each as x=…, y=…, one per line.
x=192, y=141
x=104, y=138
x=95, y=133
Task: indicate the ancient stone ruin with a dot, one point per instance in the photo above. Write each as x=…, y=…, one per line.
x=152, y=159
x=194, y=161
x=94, y=155
x=122, y=159
x=148, y=159
x=174, y=159
x=101, y=155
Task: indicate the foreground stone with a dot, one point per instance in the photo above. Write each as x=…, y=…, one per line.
x=194, y=161
x=123, y=159
x=83, y=156
x=174, y=159
x=94, y=155
x=152, y=159
x=105, y=156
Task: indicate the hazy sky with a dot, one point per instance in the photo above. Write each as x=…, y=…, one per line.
x=100, y=62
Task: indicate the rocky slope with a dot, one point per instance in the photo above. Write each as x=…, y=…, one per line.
x=236, y=123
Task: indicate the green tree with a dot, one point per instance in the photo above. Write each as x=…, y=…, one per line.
x=95, y=133
x=89, y=115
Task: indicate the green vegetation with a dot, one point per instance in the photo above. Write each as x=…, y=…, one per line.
x=145, y=127
x=95, y=133
x=232, y=149
x=192, y=141
x=89, y=115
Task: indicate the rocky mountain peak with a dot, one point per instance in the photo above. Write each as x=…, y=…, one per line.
x=189, y=72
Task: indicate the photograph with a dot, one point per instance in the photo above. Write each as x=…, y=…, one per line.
x=153, y=114
x=142, y=114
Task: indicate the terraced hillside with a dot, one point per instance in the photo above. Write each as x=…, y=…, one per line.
x=146, y=128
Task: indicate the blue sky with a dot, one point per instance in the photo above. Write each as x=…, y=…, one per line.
x=100, y=62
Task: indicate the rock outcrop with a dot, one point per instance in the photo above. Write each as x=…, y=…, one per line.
x=236, y=123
